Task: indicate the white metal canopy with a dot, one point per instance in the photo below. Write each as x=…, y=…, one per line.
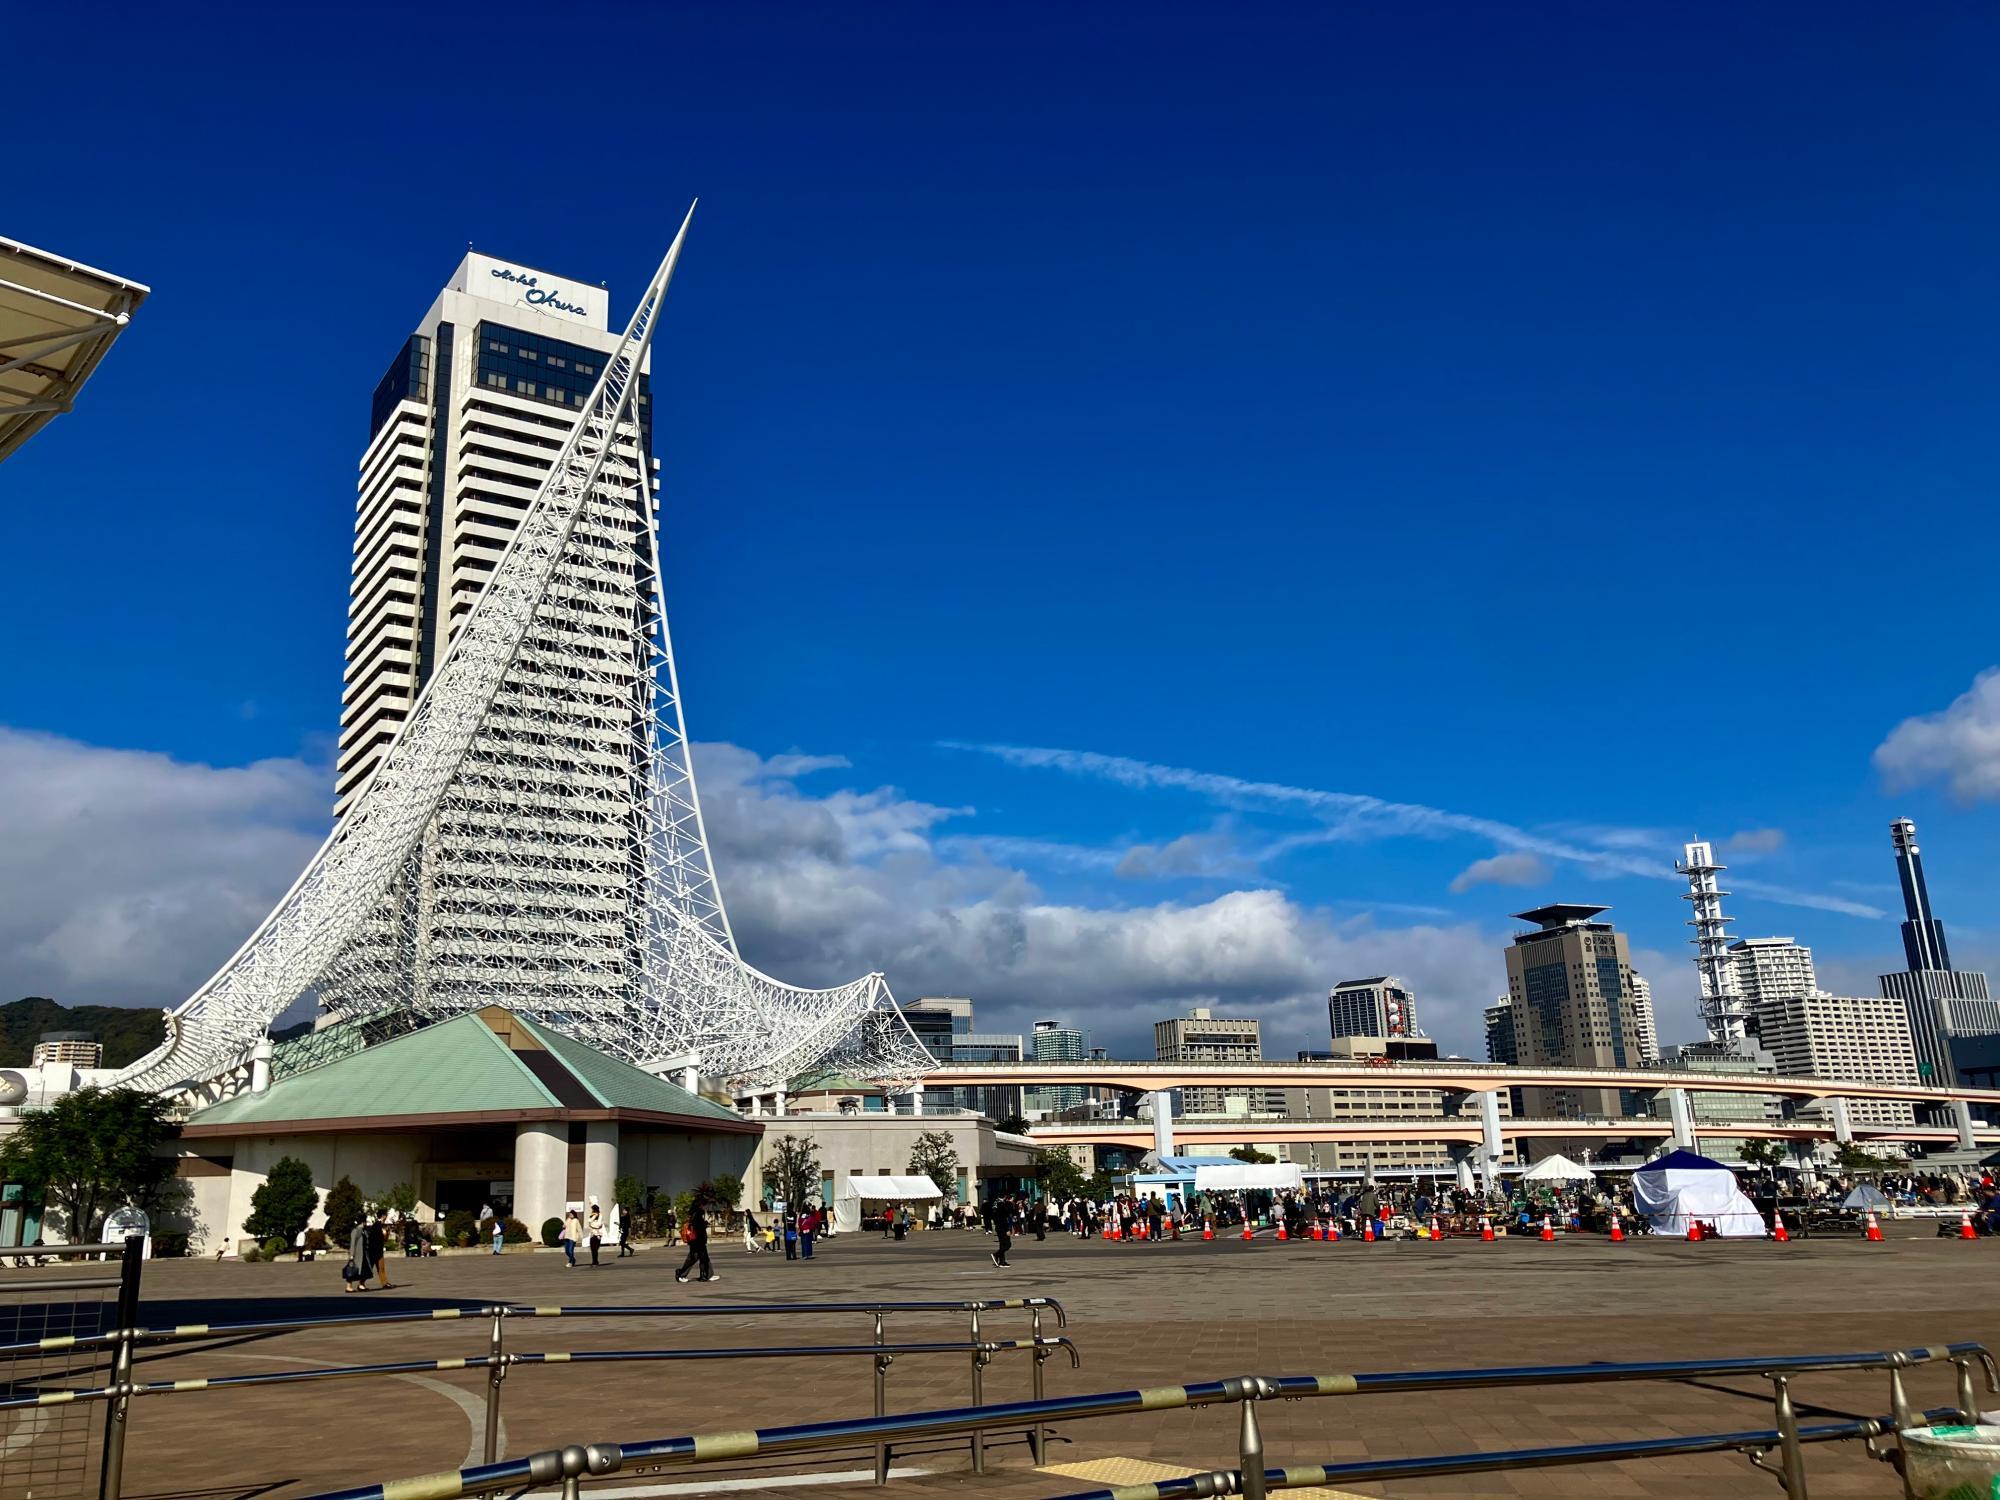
x=896, y=1189
x=57, y=317
x=1557, y=1169
x=1249, y=1177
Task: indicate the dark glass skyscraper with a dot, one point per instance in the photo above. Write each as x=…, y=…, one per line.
x=1939, y=1001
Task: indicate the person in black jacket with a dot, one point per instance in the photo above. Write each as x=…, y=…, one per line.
x=697, y=1247
x=1003, y=1224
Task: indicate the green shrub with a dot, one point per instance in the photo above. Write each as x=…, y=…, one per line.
x=316, y=1241
x=251, y=1253
x=552, y=1232
x=273, y=1248
x=460, y=1225
x=170, y=1244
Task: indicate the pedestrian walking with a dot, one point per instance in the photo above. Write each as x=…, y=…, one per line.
x=1002, y=1213
x=621, y=1230
x=753, y=1234
x=572, y=1235
x=791, y=1236
x=499, y=1234
x=355, y=1272
x=809, y=1223
x=378, y=1247
x=694, y=1234
x=595, y=1228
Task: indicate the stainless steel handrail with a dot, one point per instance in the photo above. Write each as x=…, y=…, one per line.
x=660, y=1453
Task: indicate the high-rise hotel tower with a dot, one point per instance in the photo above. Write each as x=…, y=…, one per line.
x=1939, y=1001
x=463, y=428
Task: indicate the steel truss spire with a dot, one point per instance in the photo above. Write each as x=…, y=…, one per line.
x=533, y=835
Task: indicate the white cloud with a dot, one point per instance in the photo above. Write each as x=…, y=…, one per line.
x=126, y=877
x=1755, y=841
x=1959, y=745
x=1356, y=816
x=1191, y=856
x=1500, y=869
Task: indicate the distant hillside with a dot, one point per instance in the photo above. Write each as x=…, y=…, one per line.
x=127, y=1034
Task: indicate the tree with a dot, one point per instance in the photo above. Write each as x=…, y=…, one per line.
x=933, y=1156
x=280, y=1208
x=91, y=1152
x=794, y=1163
x=402, y=1199
x=1062, y=1179
x=1766, y=1155
x=1853, y=1158
x=728, y=1190
x=1012, y=1125
x=344, y=1210
x=1252, y=1155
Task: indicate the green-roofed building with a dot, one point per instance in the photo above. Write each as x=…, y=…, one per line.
x=487, y=1109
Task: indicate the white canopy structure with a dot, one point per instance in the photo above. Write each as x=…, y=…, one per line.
x=1679, y=1188
x=858, y=1189
x=1557, y=1169
x=57, y=318
x=1246, y=1176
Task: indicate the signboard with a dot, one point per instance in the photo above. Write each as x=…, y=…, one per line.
x=516, y=285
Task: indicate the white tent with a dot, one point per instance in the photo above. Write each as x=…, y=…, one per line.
x=847, y=1202
x=1682, y=1187
x=1239, y=1177
x=1557, y=1169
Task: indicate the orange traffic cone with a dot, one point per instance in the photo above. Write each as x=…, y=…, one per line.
x=1319, y=1229
x=1107, y=1229
x=1965, y=1229
x=1281, y=1230
x=1694, y=1229
x=1368, y=1231
x=1874, y=1235
x=1208, y=1229
x=1139, y=1230
x=1548, y=1228
x=1778, y=1230
x=1617, y=1231
x=1246, y=1229
x=1486, y=1229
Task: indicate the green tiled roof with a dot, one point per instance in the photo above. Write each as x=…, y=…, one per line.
x=459, y=1066
x=620, y=1085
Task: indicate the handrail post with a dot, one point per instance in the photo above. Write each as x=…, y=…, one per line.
x=111, y=1477
x=978, y=1395
x=1250, y=1441
x=1037, y=1436
x=1792, y=1458
x=1968, y=1393
x=881, y=1402
x=495, y=1373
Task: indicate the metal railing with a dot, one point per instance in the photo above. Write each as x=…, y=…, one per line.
x=50, y=1454
x=1787, y=1437
x=122, y=1343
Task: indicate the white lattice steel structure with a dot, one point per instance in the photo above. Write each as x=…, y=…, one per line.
x=544, y=770
x=1723, y=1009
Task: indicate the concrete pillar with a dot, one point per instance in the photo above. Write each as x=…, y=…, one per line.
x=1961, y=1110
x=691, y=1078
x=1461, y=1162
x=600, y=1161
x=1843, y=1121
x=541, y=1171
x=917, y=1100
x=1163, y=1122
x=756, y=1106
x=1492, y=1147
x=1680, y=1110
x=778, y=1102
x=260, y=1065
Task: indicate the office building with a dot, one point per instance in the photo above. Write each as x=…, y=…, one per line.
x=1771, y=971
x=1860, y=1037
x=1939, y=1002
x=943, y=1024
x=1203, y=1036
x=1382, y=1006
x=1571, y=1003
x=542, y=910
x=1052, y=1041
x=1398, y=1102
x=1500, y=1043
x=1648, y=1027
x=75, y=1049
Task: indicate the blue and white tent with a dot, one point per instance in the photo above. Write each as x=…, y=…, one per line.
x=1681, y=1187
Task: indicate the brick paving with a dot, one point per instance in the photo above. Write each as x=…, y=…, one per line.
x=1141, y=1315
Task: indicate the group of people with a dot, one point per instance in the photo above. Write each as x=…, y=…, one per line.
x=592, y=1227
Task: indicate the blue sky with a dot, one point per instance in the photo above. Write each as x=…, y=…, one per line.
x=1576, y=422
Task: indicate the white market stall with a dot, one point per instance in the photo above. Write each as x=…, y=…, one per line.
x=1557, y=1169
x=1681, y=1187
x=858, y=1190
x=1250, y=1177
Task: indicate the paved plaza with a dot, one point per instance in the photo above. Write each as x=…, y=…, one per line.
x=1142, y=1315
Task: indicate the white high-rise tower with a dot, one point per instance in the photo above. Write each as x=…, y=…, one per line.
x=1723, y=1012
